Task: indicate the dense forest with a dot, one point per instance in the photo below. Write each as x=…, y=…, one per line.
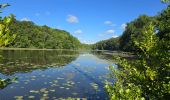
x=134, y=29
x=110, y=44
x=29, y=35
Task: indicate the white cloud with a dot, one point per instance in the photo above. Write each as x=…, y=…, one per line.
x=88, y=42
x=79, y=31
x=107, y=33
x=25, y=19
x=114, y=36
x=82, y=40
x=123, y=26
x=72, y=19
x=108, y=23
x=111, y=31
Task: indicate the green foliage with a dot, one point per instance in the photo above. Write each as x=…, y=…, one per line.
x=125, y=42
x=5, y=33
x=86, y=46
x=146, y=77
x=110, y=44
x=5, y=39
x=165, y=1
x=134, y=29
x=5, y=82
x=3, y=6
x=30, y=35
x=163, y=24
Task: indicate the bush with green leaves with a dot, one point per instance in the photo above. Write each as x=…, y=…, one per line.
x=5, y=38
x=147, y=77
x=5, y=33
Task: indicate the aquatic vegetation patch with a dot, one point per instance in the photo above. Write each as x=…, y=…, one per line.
x=5, y=82
x=95, y=86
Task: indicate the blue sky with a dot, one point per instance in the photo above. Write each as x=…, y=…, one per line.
x=88, y=20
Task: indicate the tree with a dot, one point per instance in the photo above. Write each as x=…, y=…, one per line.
x=165, y=1
x=5, y=32
x=134, y=29
x=148, y=76
x=163, y=24
x=5, y=39
x=110, y=44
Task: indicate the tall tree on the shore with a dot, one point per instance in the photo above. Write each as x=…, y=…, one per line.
x=133, y=30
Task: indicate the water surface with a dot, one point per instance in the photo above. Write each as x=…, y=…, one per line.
x=50, y=75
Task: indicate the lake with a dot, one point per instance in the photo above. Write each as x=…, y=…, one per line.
x=54, y=74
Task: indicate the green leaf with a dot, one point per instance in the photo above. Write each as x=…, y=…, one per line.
x=4, y=5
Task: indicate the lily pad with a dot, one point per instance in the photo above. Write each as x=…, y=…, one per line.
x=31, y=97
x=52, y=90
x=18, y=97
x=94, y=85
x=34, y=91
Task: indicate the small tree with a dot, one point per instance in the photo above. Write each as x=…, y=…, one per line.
x=5, y=34
x=5, y=38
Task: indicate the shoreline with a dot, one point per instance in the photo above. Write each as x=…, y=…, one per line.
x=51, y=49
x=36, y=49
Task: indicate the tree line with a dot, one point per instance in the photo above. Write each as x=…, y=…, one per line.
x=110, y=44
x=30, y=35
x=134, y=30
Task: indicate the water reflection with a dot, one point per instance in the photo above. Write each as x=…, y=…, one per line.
x=53, y=75
x=14, y=61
